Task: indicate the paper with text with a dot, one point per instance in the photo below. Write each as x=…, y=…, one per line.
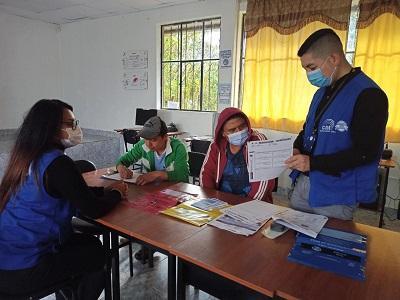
x=266, y=159
x=116, y=176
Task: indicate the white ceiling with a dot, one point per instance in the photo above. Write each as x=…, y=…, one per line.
x=66, y=11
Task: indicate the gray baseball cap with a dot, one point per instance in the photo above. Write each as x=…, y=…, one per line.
x=152, y=128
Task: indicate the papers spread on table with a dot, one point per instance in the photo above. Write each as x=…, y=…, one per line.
x=180, y=196
x=246, y=218
x=266, y=158
x=186, y=212
x=210, y=204
x=309, y=224
x=116, y=176
x=152, y=202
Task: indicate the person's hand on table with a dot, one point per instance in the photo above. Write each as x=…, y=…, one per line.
x=124, y=172
x=121, y=187
x=150, y=177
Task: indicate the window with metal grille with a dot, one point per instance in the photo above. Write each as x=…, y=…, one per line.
x=190, y=65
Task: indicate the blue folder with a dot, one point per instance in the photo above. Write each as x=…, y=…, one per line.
x=341, y=252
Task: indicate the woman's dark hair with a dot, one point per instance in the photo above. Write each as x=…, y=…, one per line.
x=35, y=136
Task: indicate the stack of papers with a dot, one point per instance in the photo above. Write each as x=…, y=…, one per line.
x=210, y=204
x=246, y=218
x=309, y=224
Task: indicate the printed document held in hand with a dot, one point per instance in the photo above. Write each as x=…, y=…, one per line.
x=309, y=224
x=266, y=159
x=246, y=218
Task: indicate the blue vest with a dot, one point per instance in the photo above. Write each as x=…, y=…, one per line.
x=33, y=223
x=353, y=185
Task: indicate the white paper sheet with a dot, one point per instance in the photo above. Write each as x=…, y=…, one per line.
x=266, y=158
x=309, y=224
x=116, y=176
x=246, y=218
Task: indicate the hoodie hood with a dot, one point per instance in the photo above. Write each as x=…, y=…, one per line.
x=223, y=117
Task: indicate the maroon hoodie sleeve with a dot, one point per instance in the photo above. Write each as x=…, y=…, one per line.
x=208, y=173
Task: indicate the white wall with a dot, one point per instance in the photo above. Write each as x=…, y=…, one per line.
x=29, y=66
x=92, y=69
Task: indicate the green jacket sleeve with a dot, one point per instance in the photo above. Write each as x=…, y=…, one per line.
x=132, y=156
x=181, y=166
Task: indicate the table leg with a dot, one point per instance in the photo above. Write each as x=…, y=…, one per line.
x=107, y=250
x=115, y=265
x=181, y=286
x=171, y=277
x=385, y=184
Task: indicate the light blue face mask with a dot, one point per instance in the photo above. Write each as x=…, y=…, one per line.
x=318, y=79
x=239, y=138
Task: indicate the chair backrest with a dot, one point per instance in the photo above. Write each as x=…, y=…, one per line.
x=85, y=165
x=142, y=115
x=130, y=137
x=200, y=146
x=196, y=160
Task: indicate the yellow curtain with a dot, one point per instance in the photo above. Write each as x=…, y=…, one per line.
x=276, y=92
x=378, y=54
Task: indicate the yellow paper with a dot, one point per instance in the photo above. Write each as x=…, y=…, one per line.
x=191, y=215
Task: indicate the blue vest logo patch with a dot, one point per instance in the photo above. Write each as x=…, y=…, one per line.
x=341, y=126
x=328, y=126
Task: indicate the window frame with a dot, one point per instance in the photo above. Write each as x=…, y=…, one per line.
x=180, y=61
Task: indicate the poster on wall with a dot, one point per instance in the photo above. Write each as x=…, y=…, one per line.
x=225, y=58
x=135, y=59
x=224, y=93
x=135, y=79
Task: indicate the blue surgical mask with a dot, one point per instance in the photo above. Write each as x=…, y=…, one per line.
x=318, y=79
x=239, y=138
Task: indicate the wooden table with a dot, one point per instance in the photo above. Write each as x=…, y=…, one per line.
x=261, y=265
x=253, y=266
x=157, y=231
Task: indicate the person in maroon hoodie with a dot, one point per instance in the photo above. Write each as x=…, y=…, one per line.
x=225, y=165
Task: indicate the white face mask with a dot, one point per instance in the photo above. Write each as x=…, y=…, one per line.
x=74, y=137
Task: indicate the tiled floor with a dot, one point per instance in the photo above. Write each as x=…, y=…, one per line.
x=152, y=283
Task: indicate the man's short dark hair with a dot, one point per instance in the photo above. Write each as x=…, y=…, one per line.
x=321, y=43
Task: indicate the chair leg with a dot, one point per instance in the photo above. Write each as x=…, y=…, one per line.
x=151, y=260
x=130, y=259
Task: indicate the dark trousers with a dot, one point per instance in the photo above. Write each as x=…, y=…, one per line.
x=82, y=257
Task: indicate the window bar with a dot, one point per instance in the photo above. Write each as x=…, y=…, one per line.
x=209, y=66
x=170, y=67
x=186, y=56
x=180, y=67
x=202, y=68
x=194, y=46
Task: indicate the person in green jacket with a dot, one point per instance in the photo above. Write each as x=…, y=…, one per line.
x=163, y=158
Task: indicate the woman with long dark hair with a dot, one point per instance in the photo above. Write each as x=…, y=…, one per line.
x=40, y=191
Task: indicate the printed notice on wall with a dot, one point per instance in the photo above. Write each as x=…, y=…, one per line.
x=224, y=93
x=135, y=79
x=135, y=59
x=225, y=58
x=135, y=72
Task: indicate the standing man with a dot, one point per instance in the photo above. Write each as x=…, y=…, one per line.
x=336, y=155
x=225, y=165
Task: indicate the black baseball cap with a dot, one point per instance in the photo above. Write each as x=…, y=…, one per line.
x=153, y=128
